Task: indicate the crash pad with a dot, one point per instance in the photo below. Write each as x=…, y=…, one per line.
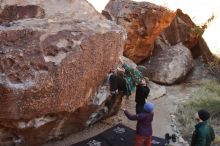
x=119, y=135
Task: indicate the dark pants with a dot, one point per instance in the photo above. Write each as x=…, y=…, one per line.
x=139, y=108
x=117, y=82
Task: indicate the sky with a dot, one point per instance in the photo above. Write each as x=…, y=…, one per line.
x=198, y=10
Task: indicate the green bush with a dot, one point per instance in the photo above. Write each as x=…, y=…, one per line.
x=207, y=97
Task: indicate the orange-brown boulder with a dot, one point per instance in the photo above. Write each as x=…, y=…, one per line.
x=143, y=22
x=183, y=30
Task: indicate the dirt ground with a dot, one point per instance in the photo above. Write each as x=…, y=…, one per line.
x=164, y=107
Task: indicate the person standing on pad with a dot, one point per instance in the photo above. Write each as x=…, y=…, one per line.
x=144, y=120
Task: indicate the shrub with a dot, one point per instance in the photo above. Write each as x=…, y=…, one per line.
x=207, y=97
x=198, y=30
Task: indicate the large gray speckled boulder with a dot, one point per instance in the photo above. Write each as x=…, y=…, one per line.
x=54, y=57
x=169, y=65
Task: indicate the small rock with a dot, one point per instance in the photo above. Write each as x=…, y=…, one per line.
x=156, y=91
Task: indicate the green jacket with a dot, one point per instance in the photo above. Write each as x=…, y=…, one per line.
x=132, y=78
x=203, y=135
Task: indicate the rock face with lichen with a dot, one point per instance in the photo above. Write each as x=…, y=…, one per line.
x=174, y=48
x=54, y=56
x=143, y=22
x=182, y=30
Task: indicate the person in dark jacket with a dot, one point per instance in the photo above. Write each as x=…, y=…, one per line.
x=204, y=133
x=142, y=92
x=144, y=124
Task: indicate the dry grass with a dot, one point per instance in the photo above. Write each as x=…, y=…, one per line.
x=207, y=97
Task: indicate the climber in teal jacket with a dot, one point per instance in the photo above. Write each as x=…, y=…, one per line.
x=204, y=133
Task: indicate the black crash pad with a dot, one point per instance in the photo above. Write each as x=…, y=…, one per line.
x=118, y=135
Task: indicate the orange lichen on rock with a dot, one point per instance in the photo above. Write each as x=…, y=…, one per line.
x=143, y=22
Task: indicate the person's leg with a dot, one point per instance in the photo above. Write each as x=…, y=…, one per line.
x=142, y=109
x=113, y=83
x=139, y=108
x=148, y=141
x=122, y=84
x=139, y=140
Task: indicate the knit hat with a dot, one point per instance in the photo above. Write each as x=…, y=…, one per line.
x=149, y=107
x=203, y=115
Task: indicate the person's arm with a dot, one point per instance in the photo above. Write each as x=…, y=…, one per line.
x=113, y=83
x=201, y=138
x=133, y=117
x=127, y=67
x=193, y=141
